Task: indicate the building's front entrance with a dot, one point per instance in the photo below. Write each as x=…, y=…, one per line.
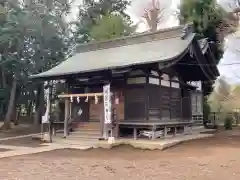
x=80, y=111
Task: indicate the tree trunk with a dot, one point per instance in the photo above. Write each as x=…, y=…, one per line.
x=4, y=83
x=154, y=20
x=3, y=86
x=15, y=116
x=11, y=105
x=29, y=108
x=39, y=105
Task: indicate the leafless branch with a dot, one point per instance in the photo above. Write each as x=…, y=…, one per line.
x=153, y=15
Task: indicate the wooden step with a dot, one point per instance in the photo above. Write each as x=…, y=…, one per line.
x=85, y=134
x=86, y=130
x=84, y=137
x=89, y=125
x=77, y=135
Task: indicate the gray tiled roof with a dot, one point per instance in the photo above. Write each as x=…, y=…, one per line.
x=141, y=49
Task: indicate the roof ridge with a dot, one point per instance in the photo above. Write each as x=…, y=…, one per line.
x=166, y=33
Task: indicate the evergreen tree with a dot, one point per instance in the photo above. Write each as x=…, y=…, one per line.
x=109, y=27
x=209, y=20
x=34, y=39
x=92, y=11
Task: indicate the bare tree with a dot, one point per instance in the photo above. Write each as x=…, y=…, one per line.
x=225, y=97
x=219, y=95
x=228, y=28
x=153, y=15
x=236, y=10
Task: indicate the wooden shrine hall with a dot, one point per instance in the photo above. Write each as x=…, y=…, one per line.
x=148, y=76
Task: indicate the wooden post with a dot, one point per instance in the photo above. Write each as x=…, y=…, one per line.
x=214, y=118
x=107, y=125
x=102, y=123
x=135, y=133
x=154, y=132
x=105, y=131
x=115, y=125
x=42, y=131
x=191, y=129
x=58, y=110
x=50, y=113
x=237, y=122
x=67, y=103
x=175, y=131
x=165, y=131
x=117, y=128
x=184, y=130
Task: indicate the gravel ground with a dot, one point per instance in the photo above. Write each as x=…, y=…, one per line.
x=206, y=159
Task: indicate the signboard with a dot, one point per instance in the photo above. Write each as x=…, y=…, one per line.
x=107, y=104
x=45, y=118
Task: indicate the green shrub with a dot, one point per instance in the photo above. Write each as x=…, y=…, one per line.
x=228, y=123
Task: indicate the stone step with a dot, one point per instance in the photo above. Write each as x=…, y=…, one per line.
x=81, y=137
x=81, y=142
x=80, y=133
x=86, y=129
x=85, y=132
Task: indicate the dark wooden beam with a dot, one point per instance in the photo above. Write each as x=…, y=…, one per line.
x=67, y=112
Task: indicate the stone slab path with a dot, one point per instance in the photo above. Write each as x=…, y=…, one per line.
x=12, y=150
x=17, y=151
x=59, y=143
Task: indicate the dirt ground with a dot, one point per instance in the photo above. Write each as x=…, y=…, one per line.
x=26, y=142
x=206, y=159
x=22, y=129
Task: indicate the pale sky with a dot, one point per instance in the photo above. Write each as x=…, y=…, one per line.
x=169, y=20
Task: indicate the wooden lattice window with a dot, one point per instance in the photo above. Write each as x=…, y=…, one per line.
x=165, y=80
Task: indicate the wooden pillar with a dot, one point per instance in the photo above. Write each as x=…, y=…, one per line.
x=237, y=122
x=170, y=99
x=58, y=110
x=135, y=133
x=184, y=130
x=160, y=98
x=165, y=131
x=107, y=127
x=105, y=131
x=147, y=92
x=50, y=112
x=175, y=131
x=115, y=125
x=104, y=126
x=154, y=132
x=117, y=128
x=67, y=112
x=102, y=122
